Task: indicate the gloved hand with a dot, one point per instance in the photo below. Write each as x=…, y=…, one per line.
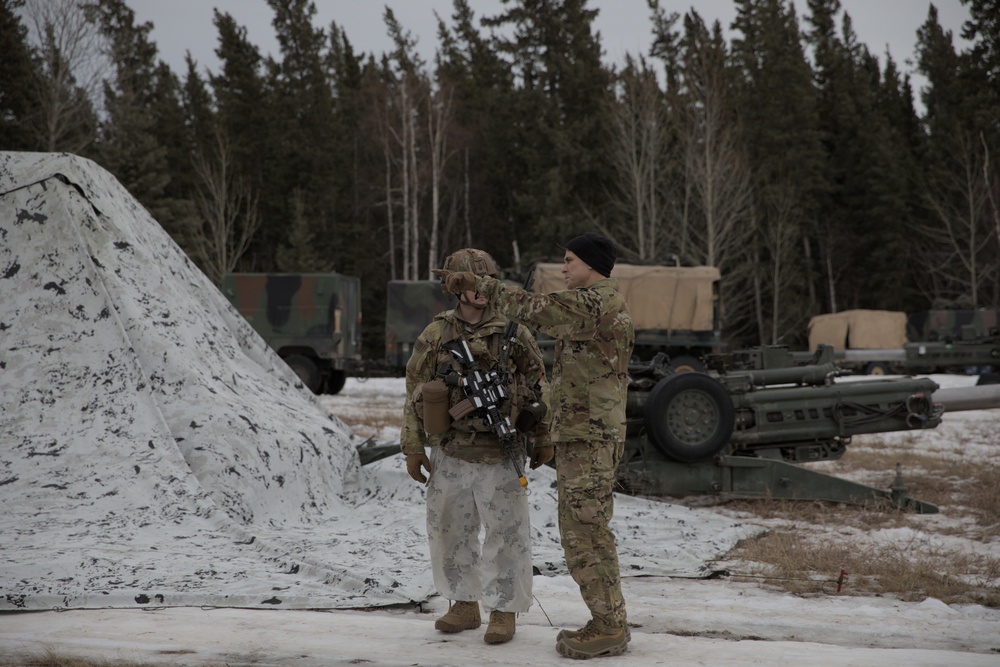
x=413, y=465
x=542, y=455
x=457, y=282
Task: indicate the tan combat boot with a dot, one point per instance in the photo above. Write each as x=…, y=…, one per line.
x=590, y=642
x=501, y=627
x=573, y=633
x=461, y=616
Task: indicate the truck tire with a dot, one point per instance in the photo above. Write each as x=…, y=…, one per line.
x=877, y=368
x=686, y=364
x=689, y=417
x=336, y=382
x=307, y=371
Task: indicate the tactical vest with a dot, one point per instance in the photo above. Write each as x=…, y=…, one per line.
x=486, y=351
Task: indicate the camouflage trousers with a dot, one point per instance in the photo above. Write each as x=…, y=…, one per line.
x=586, y=475
x=462, y=497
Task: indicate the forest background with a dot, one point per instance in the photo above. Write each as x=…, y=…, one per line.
x=787, y=156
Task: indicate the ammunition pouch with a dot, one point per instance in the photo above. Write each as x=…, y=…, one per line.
x=461, y=410
x=529, y=416
x=437, y=420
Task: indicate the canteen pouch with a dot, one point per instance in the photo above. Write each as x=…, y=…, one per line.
x=437, y=421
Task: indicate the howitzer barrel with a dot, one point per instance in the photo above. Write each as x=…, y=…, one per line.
x=812, y=375
x=875, y=355
x=960, y=399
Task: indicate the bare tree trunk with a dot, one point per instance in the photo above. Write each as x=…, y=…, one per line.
x=959, y=200
x=637, y=156
x=70, y=48
x=227, y=206
x=468, y=214
x=991, y=187
x=390, y=222
x=404, y=111
x=415, y=193
x=438, y=122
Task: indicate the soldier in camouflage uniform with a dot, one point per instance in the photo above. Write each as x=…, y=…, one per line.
x=589, y=381
x=472, y=481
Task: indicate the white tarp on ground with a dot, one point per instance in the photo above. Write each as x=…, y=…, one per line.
x=155, y=452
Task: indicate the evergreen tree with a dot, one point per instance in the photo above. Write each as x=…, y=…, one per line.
x=864, y=228
x=247, y=125
x=983, y=64
x=18, y=71
x=555, y=57
x=481, y=88
x=343, y=68
x=304, y=99
x=128, y=144
x=199, y=112
x=961, y=250
x=777, y=102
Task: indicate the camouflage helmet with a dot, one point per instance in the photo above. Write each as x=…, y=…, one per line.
x=473, y=260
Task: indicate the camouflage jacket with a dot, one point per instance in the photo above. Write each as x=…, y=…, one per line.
x=470, y=439
x=594, y=341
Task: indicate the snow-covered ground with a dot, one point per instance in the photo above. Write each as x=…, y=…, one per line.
x=171, y=495
x=675, y=621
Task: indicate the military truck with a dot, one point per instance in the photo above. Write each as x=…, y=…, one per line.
x=876, y=342
x=942, y=323
x=410, y=306
x=676, y=310
x=312, y=320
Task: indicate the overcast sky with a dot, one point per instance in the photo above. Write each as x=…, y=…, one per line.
x=186, y=25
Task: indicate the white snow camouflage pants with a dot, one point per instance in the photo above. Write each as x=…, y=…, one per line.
x=461, y=497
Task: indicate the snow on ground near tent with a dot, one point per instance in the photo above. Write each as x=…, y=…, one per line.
x=675, y=621
x=155, y=452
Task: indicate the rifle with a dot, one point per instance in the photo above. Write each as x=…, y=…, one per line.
x=485, y=392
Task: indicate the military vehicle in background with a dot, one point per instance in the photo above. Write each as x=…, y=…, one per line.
x=676, y=310
x=950, y=323
x=312, y=320
x=879, y=342
x=410, y=306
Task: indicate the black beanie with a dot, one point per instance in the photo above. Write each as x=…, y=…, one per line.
x=598, y=252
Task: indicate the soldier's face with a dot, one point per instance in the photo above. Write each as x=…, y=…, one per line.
x=472, y=296
x=576, y=272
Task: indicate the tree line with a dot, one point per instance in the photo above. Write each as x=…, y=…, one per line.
x=787, y=156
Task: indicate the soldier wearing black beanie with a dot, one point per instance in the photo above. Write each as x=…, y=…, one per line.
x=597, y=251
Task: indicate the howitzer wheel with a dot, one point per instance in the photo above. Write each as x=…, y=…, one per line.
x=689, y=417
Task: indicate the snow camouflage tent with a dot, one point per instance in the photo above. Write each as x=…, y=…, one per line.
x=154, y=451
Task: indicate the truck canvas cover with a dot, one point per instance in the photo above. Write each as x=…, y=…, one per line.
x=859, y=330
x=687, y=291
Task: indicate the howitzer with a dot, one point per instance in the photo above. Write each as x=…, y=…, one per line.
x=741, y=429
x=485, y=396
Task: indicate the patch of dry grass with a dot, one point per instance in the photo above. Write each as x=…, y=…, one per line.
x=371, y=423
x=810, y=542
